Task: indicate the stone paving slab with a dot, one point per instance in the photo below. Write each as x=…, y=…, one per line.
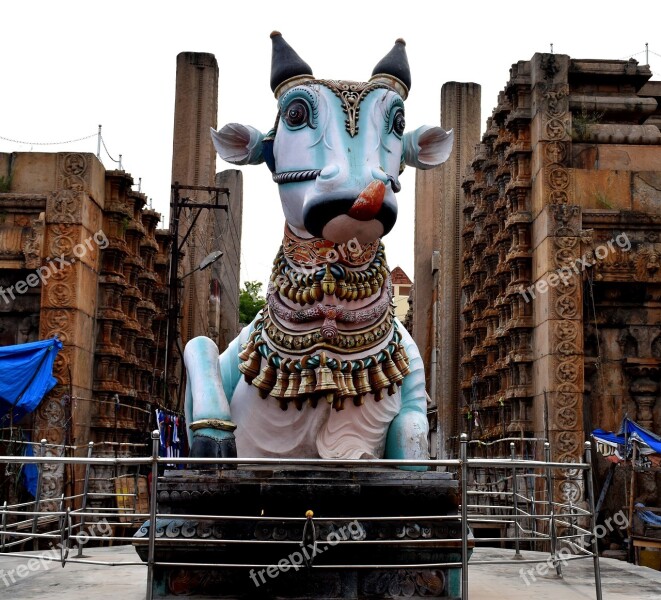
x=21, y=579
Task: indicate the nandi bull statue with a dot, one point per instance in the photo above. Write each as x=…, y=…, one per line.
x=325, y=369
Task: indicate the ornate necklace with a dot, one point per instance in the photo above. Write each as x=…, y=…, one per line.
x=315, y=376
x=292, y=365
x=306, y=270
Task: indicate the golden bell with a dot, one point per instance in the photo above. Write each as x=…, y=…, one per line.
x=391, y=371
x=377, y=378
x=265, y=381
x=361, y=381
x=282, y=382
x=325, y=381
x=294, y=384
x=401, y=360
x=307, y=384
x=328, y=282
x=316, y=292
x=348, y=382
x=250, y=368
x=338, y=377
x=374, y=285
x=247, y=349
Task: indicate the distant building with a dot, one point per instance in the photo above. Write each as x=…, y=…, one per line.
x=561, y=263
x=102, y=289
x=401, y=289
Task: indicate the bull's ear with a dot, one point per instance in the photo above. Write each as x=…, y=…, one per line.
x=238, y=144
x=427, y=147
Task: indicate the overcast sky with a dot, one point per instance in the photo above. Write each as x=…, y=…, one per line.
x=68, y=66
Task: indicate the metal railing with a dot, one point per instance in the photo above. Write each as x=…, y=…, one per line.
x=535, y=521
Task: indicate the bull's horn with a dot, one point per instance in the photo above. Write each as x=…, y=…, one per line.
x=393, y=70
x=287, y=67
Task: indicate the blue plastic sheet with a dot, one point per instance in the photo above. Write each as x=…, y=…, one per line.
x=26, y=375
x=630, y=431
x=30, y=473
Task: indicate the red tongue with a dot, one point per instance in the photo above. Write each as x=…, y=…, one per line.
x=369, y=202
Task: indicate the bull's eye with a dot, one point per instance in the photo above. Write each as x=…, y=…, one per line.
x=297, y=114
x=399, y=123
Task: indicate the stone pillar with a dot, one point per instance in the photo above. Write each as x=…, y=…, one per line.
x=194, y=164
x=438, y=223
x=557, y=307
x=68, y=304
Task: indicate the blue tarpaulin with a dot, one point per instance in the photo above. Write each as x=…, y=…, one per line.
x=26, y=375
x=613, y=444
x=30, y=473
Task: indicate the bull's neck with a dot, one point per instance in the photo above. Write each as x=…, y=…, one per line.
x=314, y=270
x=325, y=295
x=328, y=330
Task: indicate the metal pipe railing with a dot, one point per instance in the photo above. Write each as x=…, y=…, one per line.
x=505, y=506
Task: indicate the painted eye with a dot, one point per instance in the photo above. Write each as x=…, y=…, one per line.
x=399, y=123
x=297, y=114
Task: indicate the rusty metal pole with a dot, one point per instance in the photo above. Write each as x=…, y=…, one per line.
x=593, y=519
x=152, y=514
x=83, y=518
x=464, y=516
x=37, y=498
x=515, y=491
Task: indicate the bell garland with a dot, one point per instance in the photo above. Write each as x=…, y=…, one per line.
x=317, y=377
x=335, y=280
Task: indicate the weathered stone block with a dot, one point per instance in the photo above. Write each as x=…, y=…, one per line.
x=338, y=498
x=647, y=192
x=602, y=189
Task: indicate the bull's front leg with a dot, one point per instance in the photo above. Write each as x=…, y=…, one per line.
x=407, y=434
x=210, y=426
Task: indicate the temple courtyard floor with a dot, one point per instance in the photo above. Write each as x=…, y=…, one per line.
x=24, y=579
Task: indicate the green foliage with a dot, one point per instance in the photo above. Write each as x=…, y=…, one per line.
x=602, y=200
x=250, y=301
x=5, y=183
x=581, y=123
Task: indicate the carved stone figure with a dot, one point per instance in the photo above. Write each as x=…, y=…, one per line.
x=325, y=369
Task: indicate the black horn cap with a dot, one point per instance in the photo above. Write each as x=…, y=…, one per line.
x=286, y=64
x=395, y=65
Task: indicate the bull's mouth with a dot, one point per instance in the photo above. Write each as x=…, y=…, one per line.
x=349, y=218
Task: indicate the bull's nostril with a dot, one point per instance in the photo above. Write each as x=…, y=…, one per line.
x=396, y=186
x=329, y=172
x=380, y=174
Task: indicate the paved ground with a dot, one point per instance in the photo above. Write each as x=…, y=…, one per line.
x=22, y=578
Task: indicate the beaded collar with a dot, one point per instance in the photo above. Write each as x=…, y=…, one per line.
x=289, y=363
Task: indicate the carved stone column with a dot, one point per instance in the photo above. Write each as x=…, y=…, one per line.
x=558, y=343
x=68, y=302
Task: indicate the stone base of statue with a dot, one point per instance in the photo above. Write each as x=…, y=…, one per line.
x=294, y=532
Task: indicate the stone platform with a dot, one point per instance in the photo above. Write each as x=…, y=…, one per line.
x=350, y=544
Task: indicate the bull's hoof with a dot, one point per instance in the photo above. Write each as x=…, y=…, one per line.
x=206, y=447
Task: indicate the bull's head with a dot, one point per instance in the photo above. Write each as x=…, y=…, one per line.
x=338, y=147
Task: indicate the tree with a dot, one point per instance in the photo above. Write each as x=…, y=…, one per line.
x=250, y=301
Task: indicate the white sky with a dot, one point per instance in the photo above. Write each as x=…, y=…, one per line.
x=68, y=66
